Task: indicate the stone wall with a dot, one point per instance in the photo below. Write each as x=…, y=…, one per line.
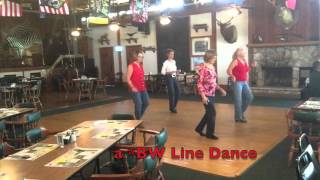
x=295, y=57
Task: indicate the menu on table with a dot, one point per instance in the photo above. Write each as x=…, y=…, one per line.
x=78, y=130
x=33, y=152
x=112, y=133
x=75, y=157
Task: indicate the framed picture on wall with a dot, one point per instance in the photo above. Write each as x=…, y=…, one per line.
x=200, y=45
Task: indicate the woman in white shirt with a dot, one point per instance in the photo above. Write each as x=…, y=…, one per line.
x=169, y=69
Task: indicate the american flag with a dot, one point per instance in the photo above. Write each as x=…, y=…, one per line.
x=45, y=8
x=10, y=9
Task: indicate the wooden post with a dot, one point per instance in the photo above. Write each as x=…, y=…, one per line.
x=119, y=55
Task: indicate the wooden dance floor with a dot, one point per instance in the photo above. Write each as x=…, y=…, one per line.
x=266, y=128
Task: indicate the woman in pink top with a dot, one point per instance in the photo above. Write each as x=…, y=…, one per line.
x=135, y=78
x=238, y=71
x=207, y=86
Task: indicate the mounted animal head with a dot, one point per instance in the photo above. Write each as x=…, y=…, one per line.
x=228, y=31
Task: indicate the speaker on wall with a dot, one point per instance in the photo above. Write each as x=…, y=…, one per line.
x=145, y=27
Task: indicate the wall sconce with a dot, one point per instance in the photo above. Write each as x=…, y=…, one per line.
x=75, y=33
x=114, y=26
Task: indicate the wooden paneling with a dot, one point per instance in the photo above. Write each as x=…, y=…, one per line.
x=107, y=63
x=261, y=21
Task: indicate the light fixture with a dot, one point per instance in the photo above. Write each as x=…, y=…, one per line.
x=165, y=20
x=84, y=19
x=75, y=33
x=170, y=4
x=114, y=26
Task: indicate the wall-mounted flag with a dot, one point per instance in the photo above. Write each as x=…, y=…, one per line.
x=139, y=10
x=54, y=7
x=10, y=9
x=99, y=8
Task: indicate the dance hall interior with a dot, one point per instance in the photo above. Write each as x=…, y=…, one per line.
x=160, y=89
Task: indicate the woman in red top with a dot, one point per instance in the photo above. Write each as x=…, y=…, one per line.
x=207, y=86
x=135, y=78
x=238, y=71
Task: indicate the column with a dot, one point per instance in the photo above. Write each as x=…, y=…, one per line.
x=295, y=77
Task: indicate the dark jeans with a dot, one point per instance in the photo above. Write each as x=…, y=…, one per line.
x=141, y=102
x=173, y=91
x=209, y=118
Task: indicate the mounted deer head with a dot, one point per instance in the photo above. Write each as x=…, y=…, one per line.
x=228, y=31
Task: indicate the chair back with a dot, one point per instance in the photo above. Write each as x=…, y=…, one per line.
x=150, y=164
x=306, y=169
x=2, y=131
x=33, y=120
x=34, y=135
x=85, y=85
x=122, y=117
x=304, y=145
x=2, y=150
x=161, y=138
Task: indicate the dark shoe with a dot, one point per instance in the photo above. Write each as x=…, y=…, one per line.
x=212, y=137
x=237, y=120
x=174, y=111
x=200, y=133
x=243, y=121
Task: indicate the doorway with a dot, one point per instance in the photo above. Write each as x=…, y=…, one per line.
x=107, y=64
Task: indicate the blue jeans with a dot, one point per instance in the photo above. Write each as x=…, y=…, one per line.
x=173, y=91
x=209, y=118
x=242, y=98
x=141, y=102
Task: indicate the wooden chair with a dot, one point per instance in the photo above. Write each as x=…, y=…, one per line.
x=121, y=117
x=9, y=97
x=300, y=122
x=101, y=84
x=5, y=148
x=17, y=130
x=130, y=167
x=35, y=95
x=307, y=164
x=146, y=168
x=85, y=89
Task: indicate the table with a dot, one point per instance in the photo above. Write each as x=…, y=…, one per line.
x=20, y=169
x=312, y=104
x=12, y=112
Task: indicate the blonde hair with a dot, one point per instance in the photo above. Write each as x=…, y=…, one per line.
x=209, y=55
x=235, y=54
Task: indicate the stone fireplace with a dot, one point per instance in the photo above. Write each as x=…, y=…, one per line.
x=280, y=65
